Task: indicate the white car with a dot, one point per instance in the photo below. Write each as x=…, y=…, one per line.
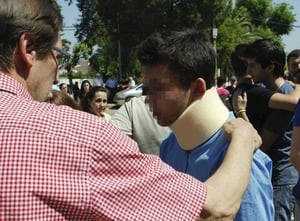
x=128, y=93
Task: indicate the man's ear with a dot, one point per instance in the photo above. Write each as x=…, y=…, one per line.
x=271, y=67
x=200, y=87
x=27, y=50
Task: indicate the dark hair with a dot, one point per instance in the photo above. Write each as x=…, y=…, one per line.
x=81, y=86
x=85, y=102
x=266, y=52
x=238, y=60
x=60, y=98
x=61, y=85
x=294, y=53
x=220, y=81
x=36, y=17
x=189, y=55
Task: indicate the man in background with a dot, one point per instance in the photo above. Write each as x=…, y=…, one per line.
x=293, y=63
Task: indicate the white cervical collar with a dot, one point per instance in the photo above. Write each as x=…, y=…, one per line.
x=200, y=120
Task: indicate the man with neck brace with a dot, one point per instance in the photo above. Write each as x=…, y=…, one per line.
x=178, y=71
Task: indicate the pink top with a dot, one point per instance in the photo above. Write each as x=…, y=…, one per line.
x=61, y=164
x=222, y=91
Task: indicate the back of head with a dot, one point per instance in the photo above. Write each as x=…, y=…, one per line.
x=221, y=81
x=238, y=60
x=267, y=52
x=36, y=17
x=189, y=55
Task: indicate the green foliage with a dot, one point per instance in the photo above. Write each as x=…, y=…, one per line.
x=79, y=51
x=281, y=19
x=278, y=18
x=107, y=24
x=259, y=10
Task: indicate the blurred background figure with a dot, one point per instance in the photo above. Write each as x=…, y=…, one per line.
x=76, y=91
x=64, y=88
x=95, y=102
x=293, y=63
x=98, y=80
x=111, y=85
x=221, y=81
x=131, y=82
x=223, y=93
x=232, y=84
x=84, y=89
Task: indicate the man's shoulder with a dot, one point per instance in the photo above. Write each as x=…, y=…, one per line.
x=285, y=88
x=51, y=120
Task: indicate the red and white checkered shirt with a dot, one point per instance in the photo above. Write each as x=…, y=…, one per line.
x=60, y=164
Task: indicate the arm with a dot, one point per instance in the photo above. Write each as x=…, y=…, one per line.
x=227, y=186
x=277, y=100
x=285, y=101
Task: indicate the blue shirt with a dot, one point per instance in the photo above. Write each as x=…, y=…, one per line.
x=296, y=190
x=205, y=159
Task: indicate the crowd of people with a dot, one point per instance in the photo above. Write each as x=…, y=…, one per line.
x=190, y=148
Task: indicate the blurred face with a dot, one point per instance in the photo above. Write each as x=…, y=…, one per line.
x=167, y=99
x=64, y=88
x=86, y=87
x=43, y=74
x=99, y=102
x=254, y=69
x=294, y=65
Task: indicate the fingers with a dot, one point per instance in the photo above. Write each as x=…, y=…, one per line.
x=245, y=96
x=239, y=100
x=244, y=132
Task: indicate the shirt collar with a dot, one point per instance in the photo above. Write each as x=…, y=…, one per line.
x=11, y=85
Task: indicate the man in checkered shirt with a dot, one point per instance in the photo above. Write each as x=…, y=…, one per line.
x=57, y=163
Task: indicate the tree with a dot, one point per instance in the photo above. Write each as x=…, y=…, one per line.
x=110, y=22
x=278, y=18
x=115, y=27
x=281, y=19
x=235, y=30
x=80, y=51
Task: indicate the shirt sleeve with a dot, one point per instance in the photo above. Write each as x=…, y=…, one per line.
x=128, y=185
x=122, y=118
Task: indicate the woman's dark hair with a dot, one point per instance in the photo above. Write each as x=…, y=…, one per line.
x=85, y=102
x=238, y=60
x=81, y=92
